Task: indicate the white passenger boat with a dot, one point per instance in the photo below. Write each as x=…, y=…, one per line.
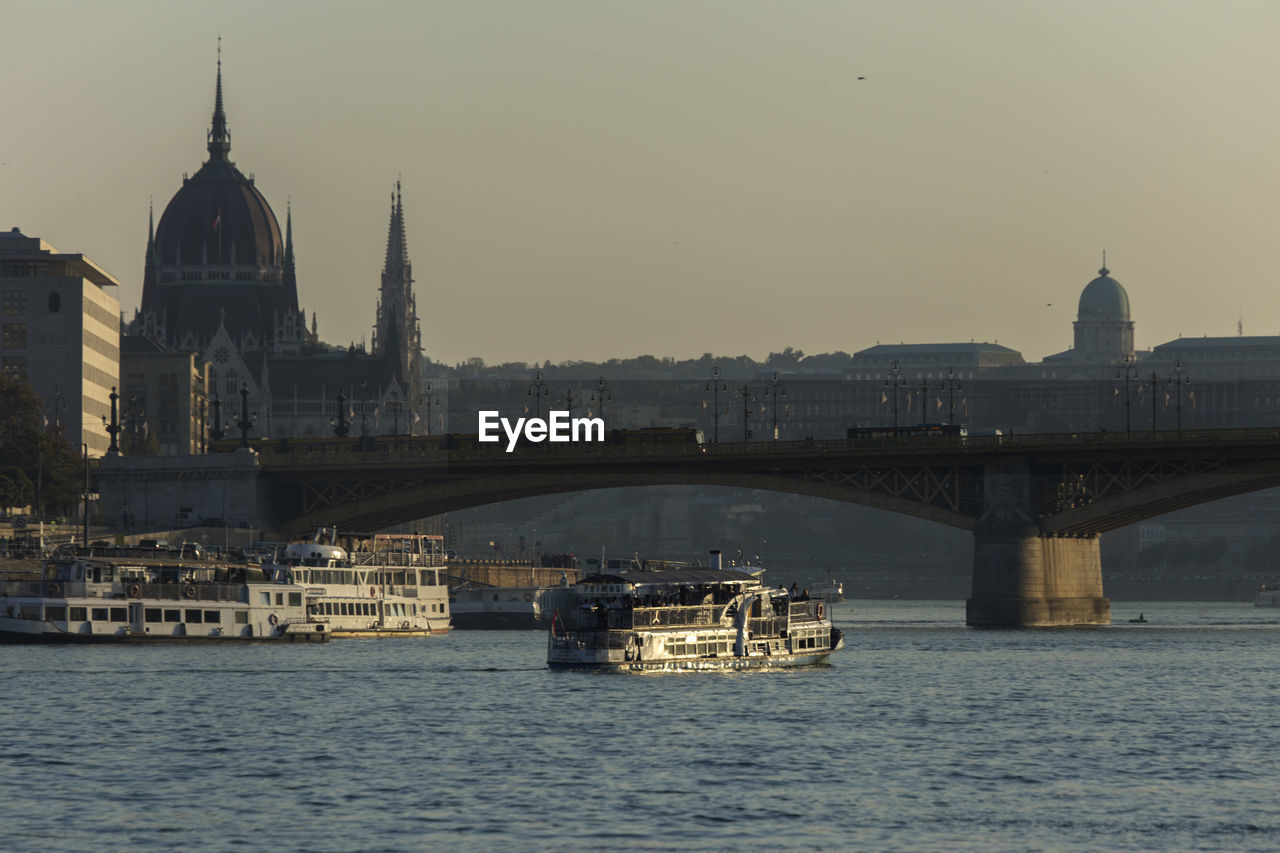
x=116, y=596
x=688, y=619
x=1268, y=596
x=495, y=607
x=385, y=585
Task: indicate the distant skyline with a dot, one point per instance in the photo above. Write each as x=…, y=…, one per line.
x=590, y=180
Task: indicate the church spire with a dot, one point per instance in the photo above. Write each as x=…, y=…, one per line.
x=288, y=237
x=397, y=265
x=219, y=136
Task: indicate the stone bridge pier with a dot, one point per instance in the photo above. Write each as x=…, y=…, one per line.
x=1024, y=577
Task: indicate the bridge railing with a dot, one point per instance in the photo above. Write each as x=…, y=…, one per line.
x=470, y=452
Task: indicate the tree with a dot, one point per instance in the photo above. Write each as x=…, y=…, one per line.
x=36, y=450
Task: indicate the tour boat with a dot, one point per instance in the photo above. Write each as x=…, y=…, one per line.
x=688, y=619
x=385, y=585
x=831, y=592
x=496, y=607
x=1267, y=597
x=114, y=595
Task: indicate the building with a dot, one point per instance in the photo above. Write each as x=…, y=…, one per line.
x=61, y=334
x=220, y=282
x=163, y=403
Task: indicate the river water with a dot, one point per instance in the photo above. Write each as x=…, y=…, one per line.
x=922, y=735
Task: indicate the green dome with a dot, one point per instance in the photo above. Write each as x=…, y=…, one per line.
x=1104, y=299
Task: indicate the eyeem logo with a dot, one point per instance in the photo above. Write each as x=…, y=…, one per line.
x=558, y=427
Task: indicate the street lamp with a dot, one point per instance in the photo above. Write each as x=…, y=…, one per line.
x=364, y=408
x=1177, y=382
x=113, y=428
x=394, y=405
x=896, y=381
x=215, y=429
x=1155, y=393
x=1129, y=371
x=600, y=396
x=715, y=386
x=340, y=426
x=244, y=424
x=747, y=399
x=538, y=390
x=429, y=399
x=924, y=401
x=952, y=387
x=774, y=391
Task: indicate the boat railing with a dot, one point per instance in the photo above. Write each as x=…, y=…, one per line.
x=126, y=590
x=646, y=617
x=804, y=610
x=397, y=558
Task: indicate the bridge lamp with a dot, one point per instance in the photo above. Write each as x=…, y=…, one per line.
x=715, y=386
x=895, y=381
x=538, y=390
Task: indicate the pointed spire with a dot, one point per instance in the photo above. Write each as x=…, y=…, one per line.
x=219, y=136
x=288, y=236
x=151, y=228
x=397, y=264
x=1104, y=270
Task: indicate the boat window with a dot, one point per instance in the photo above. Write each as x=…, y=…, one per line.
x=173, y=616
x=295, y=599
x=152, y=614
x=264, y=598
x=78, y=614
x=99, y=614
x=55, y=614
x=280, y=599
x=195, y=616
x=119, y=614
x=242, y=617
x=213, y=617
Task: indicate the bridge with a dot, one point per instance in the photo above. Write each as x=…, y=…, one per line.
x=1036, y=504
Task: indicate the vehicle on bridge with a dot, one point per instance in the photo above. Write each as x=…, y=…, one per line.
x=687, y=619
x=384, y=585
x=858, y=435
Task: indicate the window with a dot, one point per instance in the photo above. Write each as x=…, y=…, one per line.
x=55, y=614
x=15, y=301
x=152, y=614
x=99, y=614
x=195, y=616
x=78, y=614
x=213, y=617
x=55, y=302
x=173, y=616
x=264, y=598
x=14, y=335
x=295, y=599
x=119, y=614
x=242, y=617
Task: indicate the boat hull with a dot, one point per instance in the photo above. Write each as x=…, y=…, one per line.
x=789, y=661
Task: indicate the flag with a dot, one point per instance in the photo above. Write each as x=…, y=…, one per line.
x=704, y=405
x=217, y=220
x=416, y=419
x=939, y=403
x=883, y=398
x=1166, y=399
x=1191, y=396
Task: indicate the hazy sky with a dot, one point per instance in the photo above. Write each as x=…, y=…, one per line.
x=588, y=179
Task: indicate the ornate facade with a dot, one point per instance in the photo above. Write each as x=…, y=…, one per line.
x=220, y=281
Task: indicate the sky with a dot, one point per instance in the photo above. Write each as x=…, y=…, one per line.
x=587, y=179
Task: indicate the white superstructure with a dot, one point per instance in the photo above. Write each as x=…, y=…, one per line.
x=386, y=585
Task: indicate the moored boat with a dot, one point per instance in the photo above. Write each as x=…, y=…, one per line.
x=120, y=597
x=688, y=619
x=1268, y=596
x=384, y=585
x=832, y=591
x=493, y=607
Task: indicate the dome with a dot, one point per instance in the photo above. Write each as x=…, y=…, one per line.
x=218, y=218
x=1104, y=299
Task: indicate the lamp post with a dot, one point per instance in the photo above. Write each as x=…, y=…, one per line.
x=1129, y=372
x=774, y=391
x=1177, y=382
x=394, y=405
x=340, y=426
x=1155, y=393
x=244, y=424
x=600, y=396
x=569, y=398
x=952, y=387
x=538, y=390
x=715, y=386
x=429, y=399
x=924, y=401
x=747, y=399
x=896, y=381
x=84, y=449
x=364, y=407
